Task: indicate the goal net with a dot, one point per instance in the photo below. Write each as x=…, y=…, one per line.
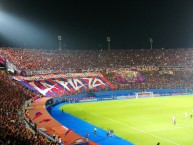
x=144, y=95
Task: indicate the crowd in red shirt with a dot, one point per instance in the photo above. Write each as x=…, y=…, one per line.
x=12, y=125
x=13, y=94
x=37, y=59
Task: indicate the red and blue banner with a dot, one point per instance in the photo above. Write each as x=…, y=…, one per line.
x=2, y=61
x=127, y=76
x=38, y=114
x=68, y=131
x=45, y=120
x=65, y=84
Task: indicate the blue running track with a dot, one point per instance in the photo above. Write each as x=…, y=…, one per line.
x=81, y=127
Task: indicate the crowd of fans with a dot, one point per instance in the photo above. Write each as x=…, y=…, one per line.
x=37, y=59
x=156, y=80
x=65, y=60
x=12, y=125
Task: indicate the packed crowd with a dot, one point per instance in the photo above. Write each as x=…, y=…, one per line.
x=156, y=80
x=12, y=125
x=37, y=59
x=59, y=61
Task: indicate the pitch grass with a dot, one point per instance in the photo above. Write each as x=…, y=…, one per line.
x=141, y=121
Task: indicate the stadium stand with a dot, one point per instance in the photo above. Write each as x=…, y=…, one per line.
x=12, y=124
x=161, y=68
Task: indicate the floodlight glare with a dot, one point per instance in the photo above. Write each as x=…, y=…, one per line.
x=22, y=33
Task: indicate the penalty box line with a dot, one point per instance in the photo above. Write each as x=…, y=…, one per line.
x=134, y=128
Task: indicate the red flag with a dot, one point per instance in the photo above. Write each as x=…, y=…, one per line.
x=45, y=120
x=68, y=131
x=37, y=115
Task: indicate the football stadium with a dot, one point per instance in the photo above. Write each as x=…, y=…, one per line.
x=135, y=102
x=96, y=72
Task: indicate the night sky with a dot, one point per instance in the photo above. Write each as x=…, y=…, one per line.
x=86, y=24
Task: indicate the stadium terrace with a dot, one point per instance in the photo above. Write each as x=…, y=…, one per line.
x=29, y=77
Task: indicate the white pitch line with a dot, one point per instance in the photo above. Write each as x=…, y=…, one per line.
x=139, y=130
x=134, y=128
x=166, y=129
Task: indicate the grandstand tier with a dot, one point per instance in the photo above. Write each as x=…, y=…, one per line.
x=34, y=77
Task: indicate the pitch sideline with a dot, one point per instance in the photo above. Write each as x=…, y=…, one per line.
x=134, y=128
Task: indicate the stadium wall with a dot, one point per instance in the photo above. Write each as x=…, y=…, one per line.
x=131, y=92
x=110, y=95
x=106, y=95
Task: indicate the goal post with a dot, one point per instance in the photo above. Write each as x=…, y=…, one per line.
x=144, y=95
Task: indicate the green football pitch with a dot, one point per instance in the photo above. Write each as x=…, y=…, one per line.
x=141, y=121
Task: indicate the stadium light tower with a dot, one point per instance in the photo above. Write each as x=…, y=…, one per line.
x=60, y=42
x=151, y=41
x=108, y=42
